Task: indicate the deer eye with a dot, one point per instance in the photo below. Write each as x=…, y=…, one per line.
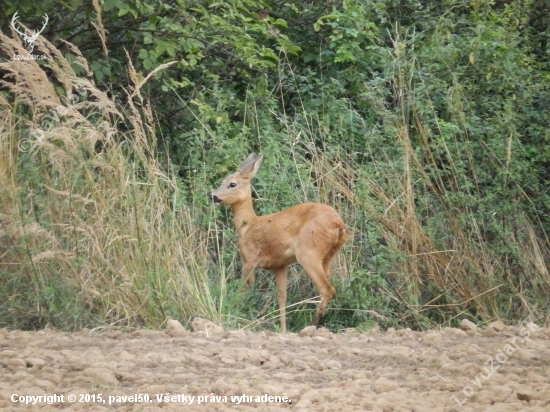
x=232, y=184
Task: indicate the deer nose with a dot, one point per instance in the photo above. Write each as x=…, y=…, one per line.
x=215, y=199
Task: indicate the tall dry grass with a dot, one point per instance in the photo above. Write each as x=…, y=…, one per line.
x=454, y=266
x=92, y=228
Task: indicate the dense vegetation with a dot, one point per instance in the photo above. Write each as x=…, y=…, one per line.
x=425, y=123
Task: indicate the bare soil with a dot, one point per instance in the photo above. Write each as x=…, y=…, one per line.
x=498, y=369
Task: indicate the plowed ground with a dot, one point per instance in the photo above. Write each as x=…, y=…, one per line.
x=446, y=370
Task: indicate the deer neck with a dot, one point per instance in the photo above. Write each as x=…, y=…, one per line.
x=243, y=215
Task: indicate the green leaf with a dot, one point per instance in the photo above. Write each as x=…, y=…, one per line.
x=123, y=8
x=99, y=75
x=280, y=22
x=109, y=5
x=269, y=53
x=195, y=43
x=148, y=63
x=159, y=50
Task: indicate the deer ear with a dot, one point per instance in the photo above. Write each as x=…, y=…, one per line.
x=248, y=162
x=250, y=166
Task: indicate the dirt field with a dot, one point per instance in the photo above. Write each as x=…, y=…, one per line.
x=497, y=369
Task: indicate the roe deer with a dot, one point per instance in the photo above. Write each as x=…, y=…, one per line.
x=308, y=233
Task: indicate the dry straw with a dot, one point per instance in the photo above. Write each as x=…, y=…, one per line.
x=88, y=216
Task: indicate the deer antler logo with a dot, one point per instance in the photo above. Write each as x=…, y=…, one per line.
x=29, y=39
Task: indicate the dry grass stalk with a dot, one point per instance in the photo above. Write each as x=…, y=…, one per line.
x=99, y=27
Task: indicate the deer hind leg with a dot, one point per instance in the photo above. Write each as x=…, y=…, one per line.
x=281, y=276
x=314, y=267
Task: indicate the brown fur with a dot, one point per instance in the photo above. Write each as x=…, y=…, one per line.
x=309, y=233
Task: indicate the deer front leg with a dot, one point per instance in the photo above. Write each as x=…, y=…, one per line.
x=248, y=275
x=281, y=276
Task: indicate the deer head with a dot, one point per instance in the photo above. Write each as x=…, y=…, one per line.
x=235, y=188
